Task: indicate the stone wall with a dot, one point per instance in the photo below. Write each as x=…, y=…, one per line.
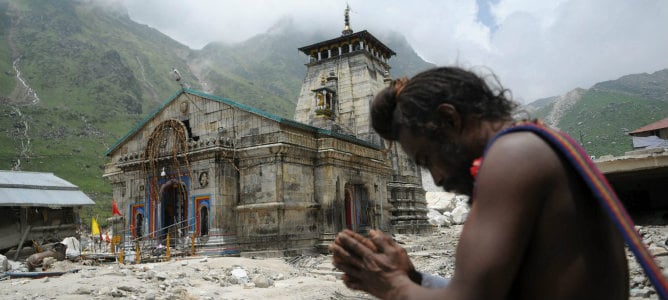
x=359, y=77
x=269, y=186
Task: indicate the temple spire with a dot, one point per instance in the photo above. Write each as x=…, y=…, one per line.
x=346, y=29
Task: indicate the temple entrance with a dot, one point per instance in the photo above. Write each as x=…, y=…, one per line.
x=167, y=170
x=349, y=210
x=174, y=200
x=357, y=207
x=204, y=221
x=139, y=221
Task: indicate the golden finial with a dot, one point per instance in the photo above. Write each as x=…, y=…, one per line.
x=346, y=28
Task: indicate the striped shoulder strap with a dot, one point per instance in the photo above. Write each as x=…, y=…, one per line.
x=600, y=187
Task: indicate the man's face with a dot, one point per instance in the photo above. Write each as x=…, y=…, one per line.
x=447, y=161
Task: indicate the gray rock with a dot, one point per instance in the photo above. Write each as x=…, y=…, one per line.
x=437, y=219
x=249, y=285
x=441, y=201
x=241, y=276
x=4, y=263
x=149, y=296
x=116, y=293
x=640, y=292
x=658, y=251
x=84, y=291
x=638, y=280
x=161, y=276
x=262, y=281
x=460, y=213
x=127, y=289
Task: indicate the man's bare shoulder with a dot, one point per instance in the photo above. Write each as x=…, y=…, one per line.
x=524, y=152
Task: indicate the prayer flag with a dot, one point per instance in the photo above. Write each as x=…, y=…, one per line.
x=114, y=208
x=95, y=228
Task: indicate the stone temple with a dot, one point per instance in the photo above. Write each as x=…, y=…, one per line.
x=215, y=177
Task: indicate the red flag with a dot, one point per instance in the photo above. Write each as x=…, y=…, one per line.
x=106, y=238
x=114, y=208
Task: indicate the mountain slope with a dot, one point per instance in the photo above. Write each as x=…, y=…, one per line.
x=93, y=72
x=653, y=86
x=267, y=71
x=78, y=75
x=601, y=116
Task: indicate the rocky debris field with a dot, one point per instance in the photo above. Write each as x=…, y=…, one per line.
x=192, y=278
x=300, y=277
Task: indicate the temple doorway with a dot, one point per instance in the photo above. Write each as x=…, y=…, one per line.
x=174, y=198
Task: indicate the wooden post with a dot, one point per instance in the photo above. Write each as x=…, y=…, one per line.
x=120, y=256
x=115, y=241
x=137, y=253
x=168, y=253
x=23, y=238
x=192, y=244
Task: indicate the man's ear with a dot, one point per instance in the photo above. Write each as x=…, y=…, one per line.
x=451, y=116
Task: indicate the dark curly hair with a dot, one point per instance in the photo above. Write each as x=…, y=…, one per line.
x=413, y=103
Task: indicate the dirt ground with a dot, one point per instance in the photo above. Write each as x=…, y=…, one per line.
x=301, y=277
x=223, y=277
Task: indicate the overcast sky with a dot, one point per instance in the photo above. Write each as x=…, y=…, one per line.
x=536, y=48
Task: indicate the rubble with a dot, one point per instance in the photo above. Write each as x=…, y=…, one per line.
x=300, y=277
x=47, y=258
x=446, y=208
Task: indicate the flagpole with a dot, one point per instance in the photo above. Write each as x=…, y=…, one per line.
x=99, y=231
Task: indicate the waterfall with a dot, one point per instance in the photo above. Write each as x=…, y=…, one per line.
x=30, y=92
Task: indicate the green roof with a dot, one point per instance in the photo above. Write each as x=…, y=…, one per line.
x=243, y=107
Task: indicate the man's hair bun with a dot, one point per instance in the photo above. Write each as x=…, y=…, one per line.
x=382, y=112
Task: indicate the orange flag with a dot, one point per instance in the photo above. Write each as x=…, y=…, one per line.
x=114, y=208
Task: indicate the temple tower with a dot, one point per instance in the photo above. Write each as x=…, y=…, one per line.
x=343, y=76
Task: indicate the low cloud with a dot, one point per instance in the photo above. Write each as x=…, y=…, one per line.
x=537, y=48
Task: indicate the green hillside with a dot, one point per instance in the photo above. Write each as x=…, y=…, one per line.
x=601, y=119
x=97, y=73
x=602, y=116
x=653, y=86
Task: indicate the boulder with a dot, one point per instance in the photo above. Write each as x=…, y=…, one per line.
x=460, y=213
x=440, y=201
x=239, y=275
x=437, y=219
x=4, y=263
x=262, y=281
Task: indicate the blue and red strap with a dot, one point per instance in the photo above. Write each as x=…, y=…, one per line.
x=600, y=187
